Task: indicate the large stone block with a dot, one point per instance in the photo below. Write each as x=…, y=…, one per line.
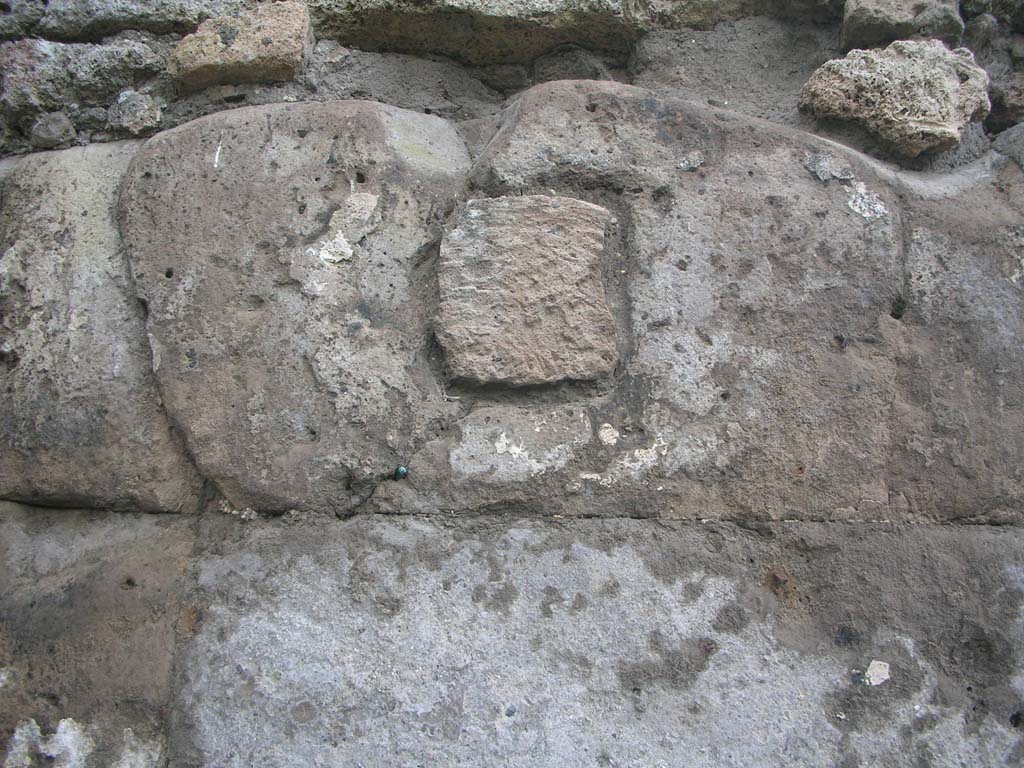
x=90, y=616
x=522, y=292
x=771, y=347
x=80, y=416
x=386, y=642
x=478, y=31
x=915, y=96
x=290, y=319
x=269, y=44
x=872, y=23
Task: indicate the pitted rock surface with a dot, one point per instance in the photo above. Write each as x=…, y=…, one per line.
x=916, y=96
x=872, y=23
x=522, y=292
x=289, y=320
x=664, y=366
x=270, y=44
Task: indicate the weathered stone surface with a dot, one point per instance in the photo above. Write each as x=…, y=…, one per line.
x=487, y=32
x=51, y=130
x=19, y=16
x=269, y=44
x=1007, y=102
x=776, y=358
x=874, y=23
x=435, y=87
x=438, y=87
x=957, y=345
x=387, y=642
x=705, y=14
x=916, y=96
x=133, y=113
x=290, y=319
x=89, y=615
x=756, y=66
x=93, y=19
x=522, y=292
x=80, y=417
x=478, y=31
x=1011, y=143
x=39, y=76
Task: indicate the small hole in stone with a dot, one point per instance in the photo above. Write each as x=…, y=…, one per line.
x=302, y=208
x=129, y=583
x=899, y=308
x=428, y=111
x=5, y=7
x=360, y=177
x=591, y=107
x=234, y=98
x=725, y=395
x=169, y=274
x=1017, y=719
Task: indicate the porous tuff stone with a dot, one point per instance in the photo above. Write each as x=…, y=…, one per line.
x=915, y=95
x=51, y=130
x=386, y=642
x=133, y=113
x=94, y=19
x=269, y=44
x=487, y=32
x=522, y=293
x=91, y=612
x=290, y=318
x=478, y=31
x=1011, y=143
x=872, y=23
x=80, y=417
x=778, y=357
x=42, y=76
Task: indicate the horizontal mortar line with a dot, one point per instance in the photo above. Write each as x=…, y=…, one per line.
x=492, y=518
x=747, y=523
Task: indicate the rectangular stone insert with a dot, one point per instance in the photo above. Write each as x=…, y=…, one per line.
x=522, y=295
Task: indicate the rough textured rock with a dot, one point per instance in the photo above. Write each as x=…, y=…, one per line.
x=670, y=436
x=133, y=113
x=873, y=23
x=51, y=130
x=40, y=76
x=756, y=66
x=742, y=332
x=438, y=87
x=270, y=44
x=917, y=96
x=94, y=19
x=80, y=419
x=1011, y=143
x=289, y=321
x=1007, y=102
x=485, y=32
x=478, y=31
x=522, y=292
x=705, y=14
x=17, y=17
x=89, y=615
x=405, y=642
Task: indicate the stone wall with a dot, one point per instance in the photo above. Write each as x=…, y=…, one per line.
x=558, y=382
